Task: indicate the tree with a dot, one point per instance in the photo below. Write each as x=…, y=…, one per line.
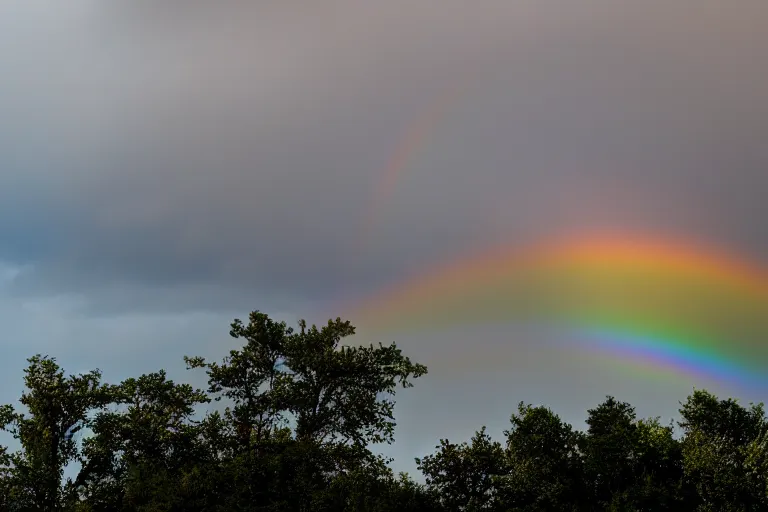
x=609, y=453
x=139, y=452
x=659, y=479
x=58, y=407
x=294, y=432
x=339, y=398
x=756, y=465
x=723, y=452
x=545, y=465
x=376, y=489
x=342, y=393
x=464, y=475
x=6, y=470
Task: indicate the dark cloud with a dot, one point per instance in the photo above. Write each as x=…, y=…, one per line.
x=197, y=158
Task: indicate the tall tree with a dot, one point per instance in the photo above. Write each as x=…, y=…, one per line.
x=57, y=408
x=609, y=453
x=139, y=451
x=6, y=470
x=464, y=475
x=723, y=445
x=659, y=482
x=546, y=467
x=339, y=399
x=344, y=393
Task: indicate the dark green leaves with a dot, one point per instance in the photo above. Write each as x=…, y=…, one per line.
x=290, y=421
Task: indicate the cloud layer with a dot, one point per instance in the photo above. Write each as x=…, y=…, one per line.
x=232, y=152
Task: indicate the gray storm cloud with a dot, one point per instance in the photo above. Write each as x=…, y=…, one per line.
x=181, y=155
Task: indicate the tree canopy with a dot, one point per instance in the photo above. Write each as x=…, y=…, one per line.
x=288, y=421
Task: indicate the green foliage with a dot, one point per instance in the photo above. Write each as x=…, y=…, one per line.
x=724, y=452
x=659, y=477
x=58, y=407
x=545, y=465
x=462, y=475
x=297, y=412
x=609, y=452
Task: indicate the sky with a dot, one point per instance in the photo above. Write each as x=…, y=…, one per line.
x=167, y=167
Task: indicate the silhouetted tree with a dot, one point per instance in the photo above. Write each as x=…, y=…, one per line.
x=545, y=465
x=299, y=414
x=724, y=452
x=463, y=475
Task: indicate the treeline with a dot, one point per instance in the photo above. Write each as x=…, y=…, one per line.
x=298, y=413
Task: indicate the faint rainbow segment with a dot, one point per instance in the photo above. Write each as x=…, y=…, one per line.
x=414, y=138
x=691, y=309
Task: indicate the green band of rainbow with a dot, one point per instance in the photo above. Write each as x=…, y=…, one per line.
x=697, y=309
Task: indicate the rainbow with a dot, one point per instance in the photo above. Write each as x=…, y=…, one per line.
x=415, y=137
x=690, y=307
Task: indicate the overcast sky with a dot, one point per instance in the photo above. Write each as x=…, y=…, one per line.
x=168, y=166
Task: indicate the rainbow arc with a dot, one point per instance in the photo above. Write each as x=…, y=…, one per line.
x=691, y=308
